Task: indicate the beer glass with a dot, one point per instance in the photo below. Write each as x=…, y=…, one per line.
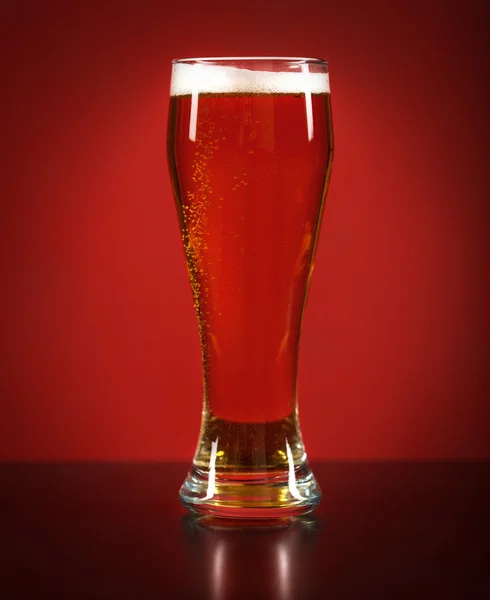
x=250, y=150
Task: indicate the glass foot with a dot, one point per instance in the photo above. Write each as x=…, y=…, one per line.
x=269, y=494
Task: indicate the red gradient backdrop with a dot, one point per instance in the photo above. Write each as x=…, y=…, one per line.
x=100, y=351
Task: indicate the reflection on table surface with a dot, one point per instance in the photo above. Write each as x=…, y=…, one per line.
x=269, y=560
x=116, y=530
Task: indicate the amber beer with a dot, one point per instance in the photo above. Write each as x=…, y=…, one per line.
x=249, y=154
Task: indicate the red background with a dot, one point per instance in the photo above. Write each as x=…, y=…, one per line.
x=100, y=351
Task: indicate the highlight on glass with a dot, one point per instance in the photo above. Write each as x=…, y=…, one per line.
x=250, y=150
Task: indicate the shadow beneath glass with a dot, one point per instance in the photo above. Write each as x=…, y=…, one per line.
x=262, y=559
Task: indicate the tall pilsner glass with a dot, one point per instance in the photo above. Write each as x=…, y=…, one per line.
x=249, y=152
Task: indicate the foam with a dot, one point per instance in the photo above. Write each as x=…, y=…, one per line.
x=217, y=79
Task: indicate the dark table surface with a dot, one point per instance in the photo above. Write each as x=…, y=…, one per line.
x=117, y=530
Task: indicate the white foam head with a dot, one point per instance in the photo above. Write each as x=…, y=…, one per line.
x=218, y=79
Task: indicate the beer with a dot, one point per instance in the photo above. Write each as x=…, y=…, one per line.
x=249, y=155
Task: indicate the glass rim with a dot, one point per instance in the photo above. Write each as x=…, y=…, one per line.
x=298, y=60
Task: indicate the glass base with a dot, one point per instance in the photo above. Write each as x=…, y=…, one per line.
x=267, y=494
